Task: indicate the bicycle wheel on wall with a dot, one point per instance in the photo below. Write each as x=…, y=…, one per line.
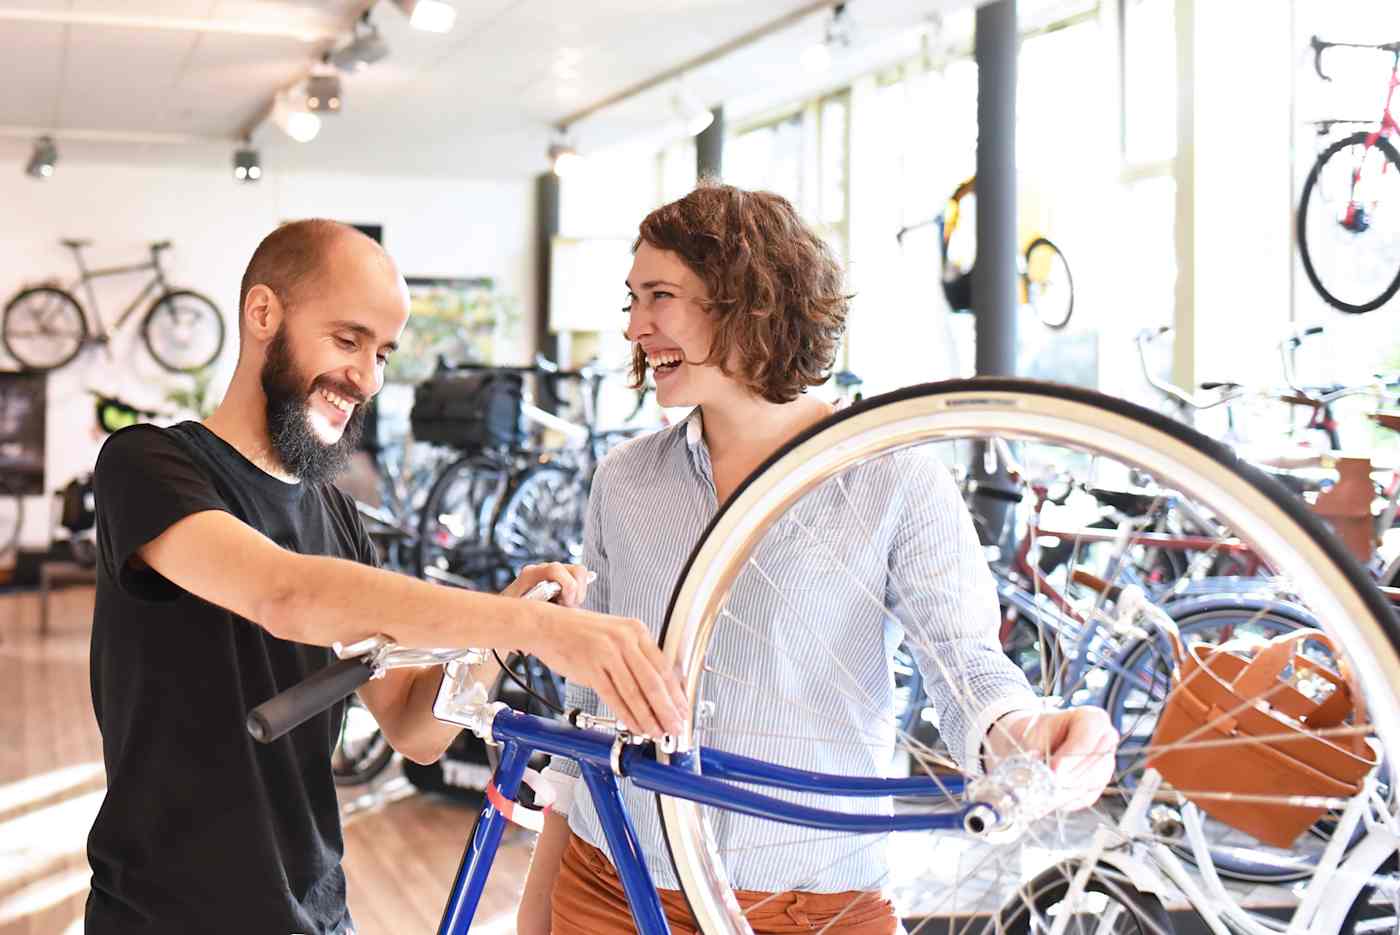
x=1049, y=285
x=184, y=331
x=1349, y=223
x=43, y=328
x=800, y=521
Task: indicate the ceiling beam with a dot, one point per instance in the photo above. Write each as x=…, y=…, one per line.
x=170, y=23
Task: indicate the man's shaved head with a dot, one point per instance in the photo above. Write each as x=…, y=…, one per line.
x=292, y=258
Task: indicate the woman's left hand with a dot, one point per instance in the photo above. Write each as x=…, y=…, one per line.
x=572, y=580
x=1079, y=743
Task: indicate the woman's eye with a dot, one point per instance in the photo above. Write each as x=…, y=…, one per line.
x=662, y=295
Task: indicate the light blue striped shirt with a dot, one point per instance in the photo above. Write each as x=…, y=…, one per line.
x=898, y=525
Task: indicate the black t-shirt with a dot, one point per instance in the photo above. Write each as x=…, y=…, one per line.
x=203, y=829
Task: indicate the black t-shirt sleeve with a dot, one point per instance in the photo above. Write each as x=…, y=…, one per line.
x=145, y=482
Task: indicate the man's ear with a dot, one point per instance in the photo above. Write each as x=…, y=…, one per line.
x=262, y=313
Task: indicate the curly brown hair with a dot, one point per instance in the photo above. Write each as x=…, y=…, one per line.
x=775, y=288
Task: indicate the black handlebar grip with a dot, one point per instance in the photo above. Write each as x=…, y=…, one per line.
x=1315, y=329
x=306, y=699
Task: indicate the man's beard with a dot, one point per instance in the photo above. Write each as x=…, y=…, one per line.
x=296, y=444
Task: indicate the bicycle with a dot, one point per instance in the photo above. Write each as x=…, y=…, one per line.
x=1043, y=274
x=1350, y=193
x=999, y=845
x=45, y=327
x=505, y=505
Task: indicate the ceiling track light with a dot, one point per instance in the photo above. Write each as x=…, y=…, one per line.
x=294, y=119
x=247, y=166
x=323, y=90
x=43, y=159
x=837, y=35
x=564, y=159
x=364, y=49
x=429, y=15
x=693, y=116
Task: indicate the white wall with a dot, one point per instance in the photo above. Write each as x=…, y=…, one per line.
x=431, y=227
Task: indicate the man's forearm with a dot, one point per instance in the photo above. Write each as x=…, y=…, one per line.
x=324, y=600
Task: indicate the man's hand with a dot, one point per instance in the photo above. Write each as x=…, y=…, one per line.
x=1079, y=744
x=572, y=580
x=615, y=656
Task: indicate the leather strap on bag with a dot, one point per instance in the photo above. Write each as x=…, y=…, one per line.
x=1262, y=673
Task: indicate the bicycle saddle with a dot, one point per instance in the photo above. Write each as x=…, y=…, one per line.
x=1131, y=502
x=160, y=245
x=75, y=244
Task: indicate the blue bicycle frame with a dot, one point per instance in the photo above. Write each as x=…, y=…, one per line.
x=712, y=784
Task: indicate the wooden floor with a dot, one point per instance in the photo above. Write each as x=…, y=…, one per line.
x=401, y=848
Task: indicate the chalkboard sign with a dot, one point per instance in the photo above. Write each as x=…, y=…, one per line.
x=22, y=431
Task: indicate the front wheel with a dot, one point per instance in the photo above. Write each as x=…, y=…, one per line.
x=183, y=331
x=44, y=328
x=853, y=525
x=1349, y=224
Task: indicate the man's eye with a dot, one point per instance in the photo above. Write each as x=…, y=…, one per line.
x=345, y=344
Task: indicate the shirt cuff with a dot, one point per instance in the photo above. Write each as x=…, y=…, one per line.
x=982, y=724
x=564, y=785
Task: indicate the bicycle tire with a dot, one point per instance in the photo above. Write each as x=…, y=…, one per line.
x=483, y=566
x=1334, y=587
x=369, y=755
x=541, y=519
x=207, y=317
x=1044, y=894
x=67, y=307
x=1305, y=200
x=1054, y=319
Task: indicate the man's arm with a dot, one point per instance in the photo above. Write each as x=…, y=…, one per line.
x=320, y=600
x=402, y=701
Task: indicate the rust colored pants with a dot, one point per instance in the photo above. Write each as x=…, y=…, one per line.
x=588, y=900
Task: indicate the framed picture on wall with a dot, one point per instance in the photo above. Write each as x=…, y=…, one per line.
x=455, y=318
x=22, y=431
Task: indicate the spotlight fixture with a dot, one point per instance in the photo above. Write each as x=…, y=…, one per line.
x=247, y=167
x=43, y=159
x=294, y=120
x=363, y=50
x=836, y=36
x=428, y=15
x=323, y=90
x=693, y=116
x=564, y=160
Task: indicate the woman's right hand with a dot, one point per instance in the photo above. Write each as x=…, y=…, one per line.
x=614, y=656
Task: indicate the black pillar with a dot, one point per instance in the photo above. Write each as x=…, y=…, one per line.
x=994, y=291
x=546, y=227
x=709, y=148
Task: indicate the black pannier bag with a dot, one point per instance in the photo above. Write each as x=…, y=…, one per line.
x=469, y=410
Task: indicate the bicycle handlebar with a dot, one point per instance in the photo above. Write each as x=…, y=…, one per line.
x=304, y=700
x=1319, y=46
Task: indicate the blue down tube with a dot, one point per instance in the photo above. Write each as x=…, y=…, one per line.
x=486, y=837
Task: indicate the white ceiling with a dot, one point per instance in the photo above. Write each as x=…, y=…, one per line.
x=478, y=101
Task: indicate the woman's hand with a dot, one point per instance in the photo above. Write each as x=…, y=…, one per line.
x=1079, y=744
x=572, y=580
